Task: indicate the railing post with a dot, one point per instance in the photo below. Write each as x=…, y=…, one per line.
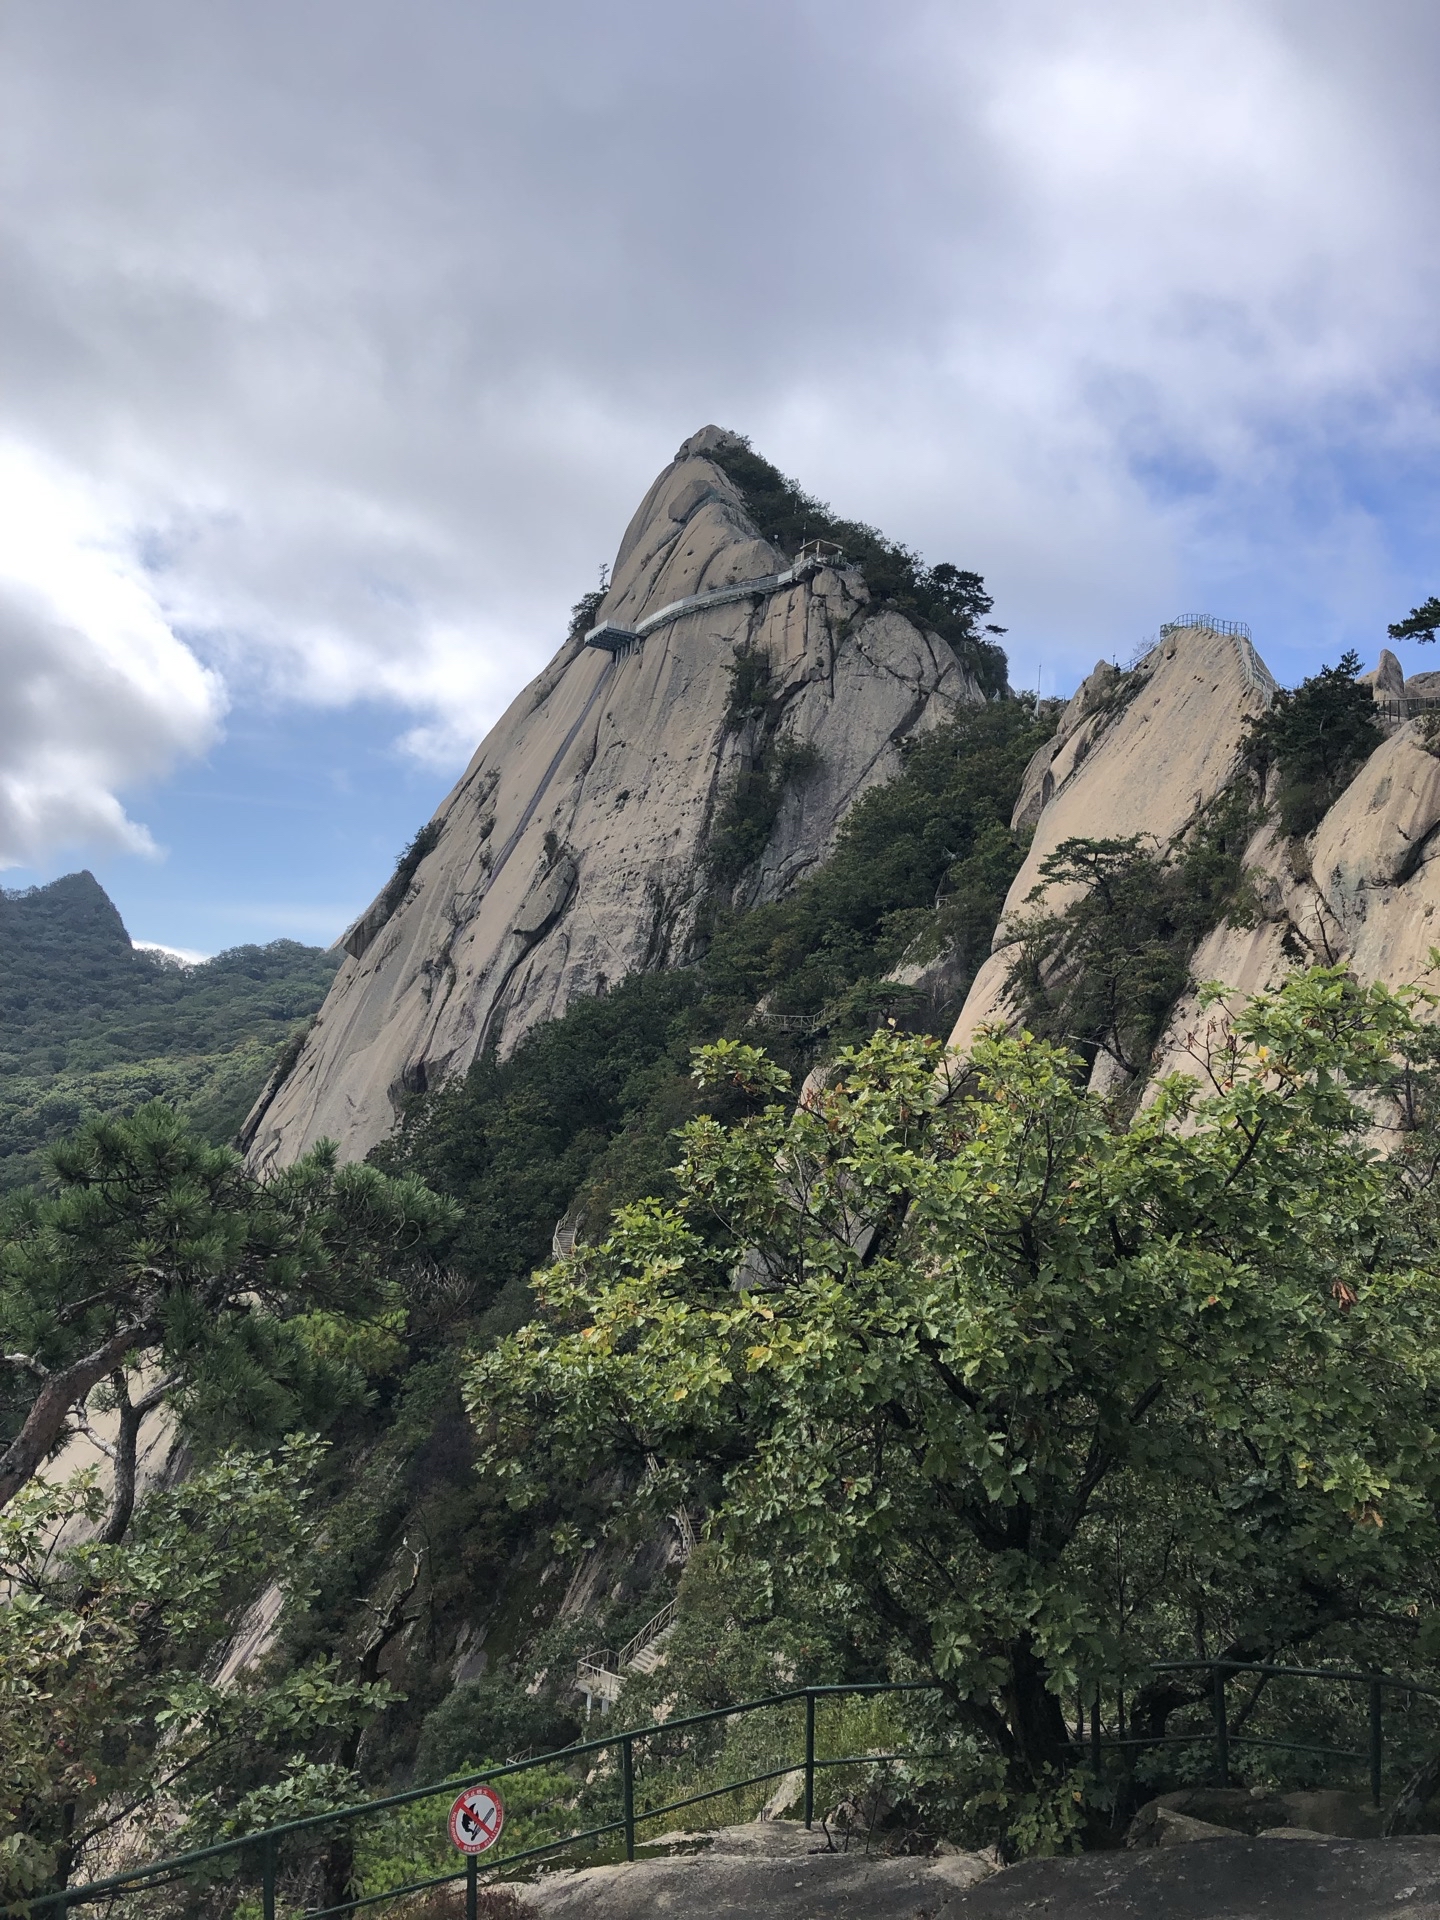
x=1095, y=1734
x=809, y=1758
x=267, y=1878
x=1222, y=1731
x=472, y=1887
x=627, y=1788
x=1376, y=1737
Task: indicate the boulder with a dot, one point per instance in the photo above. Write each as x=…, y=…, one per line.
x=1172, y=1817
x=773, y=1868
x=1166, y=1828
x=1387, y=681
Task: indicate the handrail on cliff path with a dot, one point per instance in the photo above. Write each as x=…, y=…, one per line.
x=1256, y=674
x=1089, y=1747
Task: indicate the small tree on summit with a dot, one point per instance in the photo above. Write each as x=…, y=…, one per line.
x=1419, y=624
x=1317, y=735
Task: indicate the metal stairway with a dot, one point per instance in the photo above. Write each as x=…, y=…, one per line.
x=600, y=1676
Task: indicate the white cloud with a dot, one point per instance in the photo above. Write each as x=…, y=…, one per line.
x=187, y=956
x=368, y=326
x=99, y=693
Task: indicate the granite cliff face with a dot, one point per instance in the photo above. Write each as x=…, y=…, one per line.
x=1144, y=752
x=1364, y=889
x=574, y=850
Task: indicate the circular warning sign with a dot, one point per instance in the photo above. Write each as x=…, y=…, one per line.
x=476, y=1819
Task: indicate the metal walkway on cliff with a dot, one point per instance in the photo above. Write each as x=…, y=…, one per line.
x=620, y=640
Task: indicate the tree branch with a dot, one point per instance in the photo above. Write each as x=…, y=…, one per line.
x=132, y=1412
x=59, y=1392
x=27, y=1363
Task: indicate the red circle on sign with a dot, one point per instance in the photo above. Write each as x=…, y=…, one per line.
x=476, y=1819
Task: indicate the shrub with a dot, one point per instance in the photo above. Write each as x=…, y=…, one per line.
x=1317, y=736
x=946, y=598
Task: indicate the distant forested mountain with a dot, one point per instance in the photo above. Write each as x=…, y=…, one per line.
x=89, y=1025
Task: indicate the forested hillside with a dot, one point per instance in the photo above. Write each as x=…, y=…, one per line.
x=90, y=1025
x=578, y=1119
x=732, y=1286
x=581, y=1117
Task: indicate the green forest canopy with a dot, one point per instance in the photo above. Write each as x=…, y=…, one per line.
x=1021, y=1392
x=89, y=1024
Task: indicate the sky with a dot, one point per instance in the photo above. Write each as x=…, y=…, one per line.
x=338, y=342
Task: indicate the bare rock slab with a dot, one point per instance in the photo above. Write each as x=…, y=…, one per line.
x=1229, y=1879
x=773, y=1870
x=573, y=851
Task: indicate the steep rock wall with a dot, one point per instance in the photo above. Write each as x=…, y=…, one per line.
x=1135, y=753
x=1144, y=752
x=573, y=850
x=1365, y=889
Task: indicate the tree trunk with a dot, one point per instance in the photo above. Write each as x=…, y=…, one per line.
x=338, y=1864
x=1420, y=1787
x=127, y=1440
x=126, y=1443
x=1037, y=1717
x=45, y=1423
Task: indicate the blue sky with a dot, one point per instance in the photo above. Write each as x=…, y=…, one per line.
x=283, y=830
x=342, y=340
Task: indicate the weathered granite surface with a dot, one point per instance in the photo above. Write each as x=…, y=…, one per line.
x=1135, y=753
x=777, y=1871
x=1143, y=753
x=773, y=1869
x=572, y=851
x=1289, y=1878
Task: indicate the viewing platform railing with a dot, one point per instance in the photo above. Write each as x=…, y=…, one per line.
x=258, y=1855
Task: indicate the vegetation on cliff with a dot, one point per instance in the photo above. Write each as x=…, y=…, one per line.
x=159, y=1258
x=112, y=1715
x=945, y=598
x=969, y=1376
x=1316, y=736
x=581, y=1116
x=921, y=867
x=1019, y=1394
x=160, y=1278
x=1102, y=973
x=1419, y=624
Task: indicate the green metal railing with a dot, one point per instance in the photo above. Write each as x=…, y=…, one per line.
x=263, y=1849
x=1222, y=1737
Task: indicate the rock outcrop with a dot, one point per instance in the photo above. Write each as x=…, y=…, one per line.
x=1365, y=889
x=1144, y=752
x=1141, y=752
x=1298, y=1877
x=574, y=849
x=775, y=1868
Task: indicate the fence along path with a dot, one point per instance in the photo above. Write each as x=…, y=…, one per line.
x=1254, y=670
x=263, y=1848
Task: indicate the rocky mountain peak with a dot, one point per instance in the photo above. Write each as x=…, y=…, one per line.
x=1145, y=751
x=701, y=732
